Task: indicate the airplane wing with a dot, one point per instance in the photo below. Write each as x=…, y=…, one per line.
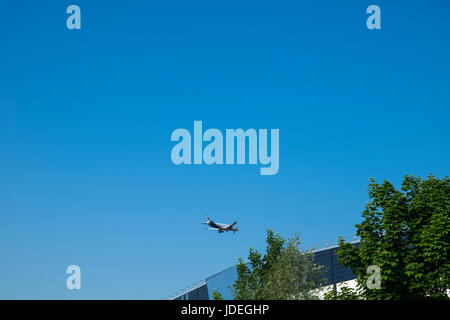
x=231, y=226
x=215, y=229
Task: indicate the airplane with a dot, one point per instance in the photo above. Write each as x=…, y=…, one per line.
x=220, y=227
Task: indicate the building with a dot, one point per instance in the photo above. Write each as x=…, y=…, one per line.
x=221, y=281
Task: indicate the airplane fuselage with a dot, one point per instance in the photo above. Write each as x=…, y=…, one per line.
x=221, y=227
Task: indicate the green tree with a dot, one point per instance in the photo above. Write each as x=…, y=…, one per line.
x=216, y=295
x=284, y=272
x=406, y=234
x=344, y=293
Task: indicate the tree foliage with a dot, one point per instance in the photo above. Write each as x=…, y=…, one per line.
x=344, y=293
x=406, y=233
x=283, y=272
x=216, y=295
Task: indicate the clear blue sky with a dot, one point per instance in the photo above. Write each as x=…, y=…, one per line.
x=86, y=118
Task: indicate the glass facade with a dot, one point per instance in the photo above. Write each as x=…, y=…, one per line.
x=222, y=281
